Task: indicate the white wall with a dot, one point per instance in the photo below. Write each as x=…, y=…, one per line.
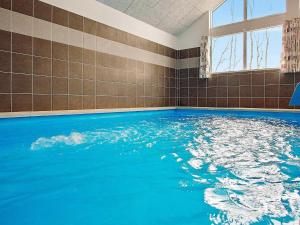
x=187, y=39
x=190, y=38
x=109, y=16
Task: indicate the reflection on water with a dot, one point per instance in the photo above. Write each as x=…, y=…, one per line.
x=253, y=152
x=247, y=162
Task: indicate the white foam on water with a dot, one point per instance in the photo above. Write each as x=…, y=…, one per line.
x=252, y=150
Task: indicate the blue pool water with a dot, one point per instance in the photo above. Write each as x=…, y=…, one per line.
x=173, y=167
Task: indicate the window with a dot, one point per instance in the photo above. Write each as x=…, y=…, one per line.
x=231, y=11
x=250, y=44
x=264, y=48
x=227, y=53
x=260, y=8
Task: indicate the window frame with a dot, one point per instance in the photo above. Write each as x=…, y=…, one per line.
x=244, y=27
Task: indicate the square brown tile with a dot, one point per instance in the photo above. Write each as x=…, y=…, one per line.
x=59, y=85
x=60, y=102
x=75, y=70
x=23, y=6
x=222, y=102
x=245, y=79
x=42, y=47
x=107, y=88
x=21, y=102
x=233, y=80
x=5, y=40
x=234, y=91
x=258, y=103
x=272, y=91
x=75, y=21
x=5, y=82
x=202, y=83
x=184, y=92
x=258, y=78
x=89, y=57
x=21, y=83
x=140, y=101
x=121, y=37
x=106, y=31
x=258, y=91
x=6, y=4
x=41, y=66
x=5, y=102
x=89, y=26
x=161, y=49
x=233, y=102
x=131, y=40
x=245, y=103
x=184, y=53
x=75, y=86
x=21, y=44
x=222, y=80
x=222, y=92
x=202, y=92
x=271, y=103
x=202, y=102
x=75, y=102
x=89, y=102
x=184, y=83
x=211, y=102
x=75, y=54
x=194, y=52
x=5, y=60
x=21, y=63
x=272, y=77
x=42, y=10
x=60, y=16
x=59, y=68
x=182, y=101
x=60, y=51
x=42, y=102
x=89, y=72
x=245, y=91
x=106, y=102
x=88, y=87
x=42, y=85
x=211, y=92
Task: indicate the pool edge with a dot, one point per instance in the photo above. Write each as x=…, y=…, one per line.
x=79, y=112
x=117, y=110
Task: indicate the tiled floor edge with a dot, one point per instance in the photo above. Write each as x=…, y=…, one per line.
x=79, y=112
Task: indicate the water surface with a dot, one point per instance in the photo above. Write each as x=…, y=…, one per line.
x=169, y=168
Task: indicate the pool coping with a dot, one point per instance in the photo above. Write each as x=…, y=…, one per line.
x=116, y=110
x=79, y=112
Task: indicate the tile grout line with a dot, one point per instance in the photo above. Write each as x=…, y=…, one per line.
x=32, y=97
x=11, y=78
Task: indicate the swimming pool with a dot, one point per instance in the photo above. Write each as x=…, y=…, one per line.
x=160, y=167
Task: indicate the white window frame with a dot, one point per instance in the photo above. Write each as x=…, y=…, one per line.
x=245, y=26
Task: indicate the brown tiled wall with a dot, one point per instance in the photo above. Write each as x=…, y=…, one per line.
x=250, y=89
x=41, y=75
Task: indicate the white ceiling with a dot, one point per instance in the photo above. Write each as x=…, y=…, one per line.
x=172, y=16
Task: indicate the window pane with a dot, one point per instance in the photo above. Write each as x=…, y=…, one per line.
x=260, y=8
x=264, y=48
x=227, y=53
x=231, y=11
